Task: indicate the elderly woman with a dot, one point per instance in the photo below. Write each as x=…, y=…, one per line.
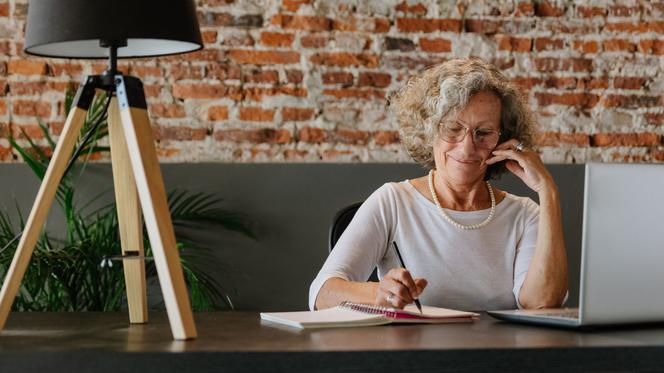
x=467, y=245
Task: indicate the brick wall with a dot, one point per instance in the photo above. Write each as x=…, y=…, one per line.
x=308, y=80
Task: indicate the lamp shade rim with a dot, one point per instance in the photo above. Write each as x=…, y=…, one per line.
x=56, y=50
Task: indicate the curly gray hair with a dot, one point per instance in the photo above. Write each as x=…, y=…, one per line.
x=444, y=90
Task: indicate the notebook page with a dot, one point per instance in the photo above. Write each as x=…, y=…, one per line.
x=328, y=317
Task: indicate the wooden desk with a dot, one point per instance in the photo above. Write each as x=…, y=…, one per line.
x=239, y=341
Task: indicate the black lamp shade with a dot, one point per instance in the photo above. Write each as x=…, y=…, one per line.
x=75, y=28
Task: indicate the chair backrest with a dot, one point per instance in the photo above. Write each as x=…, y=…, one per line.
x=339, y=223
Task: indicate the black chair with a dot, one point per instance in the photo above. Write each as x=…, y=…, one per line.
x=339, y=223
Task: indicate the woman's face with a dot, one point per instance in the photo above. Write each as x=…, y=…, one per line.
x=463, y=162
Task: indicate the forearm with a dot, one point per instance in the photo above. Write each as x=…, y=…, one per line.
x=546, y=282
x=336, y=290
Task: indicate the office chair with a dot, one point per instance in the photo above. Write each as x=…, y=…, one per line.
x=339, y=223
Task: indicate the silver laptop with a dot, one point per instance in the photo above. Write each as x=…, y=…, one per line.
x=622, y=253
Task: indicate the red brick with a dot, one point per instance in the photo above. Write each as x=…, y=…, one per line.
x=366, y=94
x=31, y=108
x=338, y=77
x=261, y=76
x=386, y=137
x=294, y=76
x=264, y=57
x=354, y=137
x=515, y=44
x=656, y=119
x=551, y=64
x=623, y=82
x=623, y=11
x=257, y=136
x=180, y=133
x=526, y=82
x=217, y=113
x=428, y=25
x=589, y=12
x=435, y=45
x=277, y=39
x=311, y=134
x=256, y=114
x=27, y=67
x=632, y=101
x=636, y=27
x=585, y=46
x=209, y=36
x=618, y=45
x=3, y=111
x=22, y=88
x=167, y=110
x=542, y=44
x=650, y=46
x=354, y=24
x=293, y=5
x=589, y=83
x=69, y=69
x=380, y=80
x=257, y=93
x=237, y=40
x=314, y=41
x=417, y=9
x=294, y=114
x=626, y=139
x=184, y=71
x=206, y=91
x=557, y=139
x=545, y=9
x=4, y=9
x=222, y=71
x=560, y=82
x=345, y=59
x=580, y=100
x=145, y=71
x=657, y=155
x=525, y=9
x=310, y=23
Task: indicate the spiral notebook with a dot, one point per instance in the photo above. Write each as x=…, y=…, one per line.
x=349, y=314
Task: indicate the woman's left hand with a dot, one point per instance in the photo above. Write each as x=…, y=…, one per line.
x=525, y=164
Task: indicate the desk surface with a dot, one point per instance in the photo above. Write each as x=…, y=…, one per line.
x=240, y=341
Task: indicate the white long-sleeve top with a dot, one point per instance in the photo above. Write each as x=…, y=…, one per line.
x=481, y=269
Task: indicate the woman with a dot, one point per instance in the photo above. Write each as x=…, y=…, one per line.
x=467, y=244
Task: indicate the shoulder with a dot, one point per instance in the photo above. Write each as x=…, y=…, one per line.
x=521, y=205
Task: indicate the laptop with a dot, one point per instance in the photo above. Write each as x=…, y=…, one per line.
x=622, y=252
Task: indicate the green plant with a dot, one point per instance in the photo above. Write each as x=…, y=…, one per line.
x=65, y=272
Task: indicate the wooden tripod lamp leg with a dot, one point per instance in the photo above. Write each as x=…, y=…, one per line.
x=145, y=164
x=42, y=205
x=129, y=218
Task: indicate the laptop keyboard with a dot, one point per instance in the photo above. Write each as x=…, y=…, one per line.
x=568, y=314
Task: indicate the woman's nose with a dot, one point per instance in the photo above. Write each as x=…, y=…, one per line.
x=468, y=142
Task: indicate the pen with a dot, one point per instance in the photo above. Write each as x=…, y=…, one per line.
x=417, y=302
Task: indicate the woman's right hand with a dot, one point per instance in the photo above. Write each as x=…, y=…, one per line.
x=398, y=288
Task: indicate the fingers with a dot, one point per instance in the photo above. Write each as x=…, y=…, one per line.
x=398, y=288
x=509, y=144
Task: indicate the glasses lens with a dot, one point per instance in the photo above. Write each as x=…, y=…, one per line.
x=486, y=138
x=452, y=132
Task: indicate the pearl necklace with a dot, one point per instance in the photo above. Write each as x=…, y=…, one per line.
x=452, y=221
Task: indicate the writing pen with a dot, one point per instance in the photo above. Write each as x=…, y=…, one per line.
x=396, y=248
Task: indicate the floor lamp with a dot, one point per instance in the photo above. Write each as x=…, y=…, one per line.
x=115, y=29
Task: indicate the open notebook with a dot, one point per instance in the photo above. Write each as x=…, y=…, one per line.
x=349, y=314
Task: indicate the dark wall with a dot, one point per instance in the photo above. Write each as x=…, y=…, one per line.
x=291, y=206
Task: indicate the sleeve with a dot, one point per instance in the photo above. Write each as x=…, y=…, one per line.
x=363, y=243
x=526, y=249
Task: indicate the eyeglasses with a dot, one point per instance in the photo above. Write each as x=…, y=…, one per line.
x=454, y=132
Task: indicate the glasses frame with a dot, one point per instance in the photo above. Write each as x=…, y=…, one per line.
x=465, y=133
